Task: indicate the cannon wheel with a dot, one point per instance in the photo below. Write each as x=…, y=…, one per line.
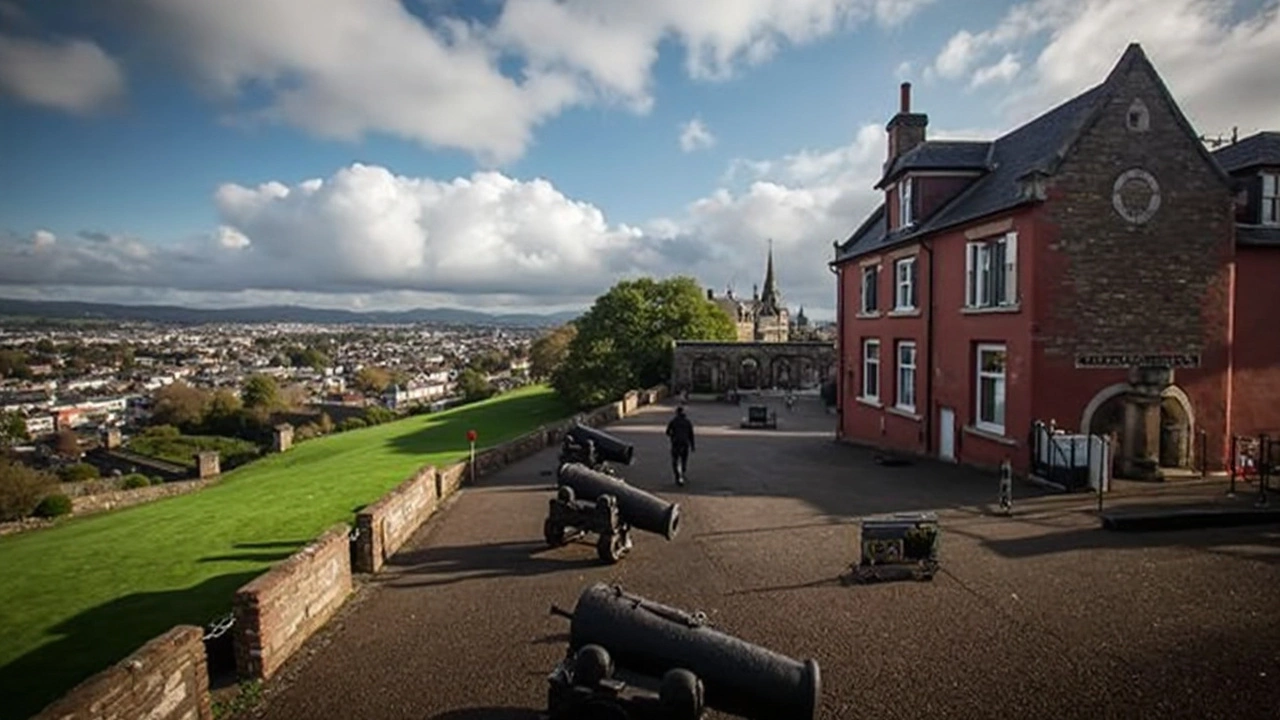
x=612, y=547
x=553, y=532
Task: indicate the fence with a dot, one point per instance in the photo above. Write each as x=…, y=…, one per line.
x=1255, y=459
x=1071, y=461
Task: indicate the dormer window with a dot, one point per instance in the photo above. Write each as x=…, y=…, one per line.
x=1269, y=212
x=905, y=216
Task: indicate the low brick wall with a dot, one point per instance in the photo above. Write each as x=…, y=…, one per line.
x=166, y=679
x=116, y=499
x=277, y=611
x=385, y=525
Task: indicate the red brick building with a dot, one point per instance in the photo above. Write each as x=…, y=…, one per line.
x=1097, y=268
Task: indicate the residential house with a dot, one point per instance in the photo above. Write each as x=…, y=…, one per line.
x=1080, y=270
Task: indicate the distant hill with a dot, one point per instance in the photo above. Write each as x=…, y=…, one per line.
x=270, y=314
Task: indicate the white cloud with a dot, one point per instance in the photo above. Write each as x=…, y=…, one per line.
x=1003, y=71
x=1219, y=63
x=694, y=135
x=72, y=75
x=343, y=68
x=483, y=240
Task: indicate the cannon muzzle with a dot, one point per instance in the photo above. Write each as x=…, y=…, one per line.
x=636, y=507
x=650, y=638
x=608, y=448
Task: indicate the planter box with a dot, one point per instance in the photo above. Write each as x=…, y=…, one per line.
x=903, y=545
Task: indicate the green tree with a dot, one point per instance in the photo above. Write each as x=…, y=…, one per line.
x=13, y=363
x=13, y=429
x=180, y=405
x=548, y=352
x=474, y=385
x=260, y=392
x=625, y=340
x=21, y=489
x=371, y=380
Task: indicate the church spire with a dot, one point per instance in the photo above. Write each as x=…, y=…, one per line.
x=771, y=298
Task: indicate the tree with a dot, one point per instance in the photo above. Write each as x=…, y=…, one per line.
x=13, y=363
x=371, y=380
x=474, y=385
x=625, y=340
x=21, y=489
x=180, y=405
x=489, y=361
x=548, y=352
x=13, y=429
x=260, y=392
x=67, y=444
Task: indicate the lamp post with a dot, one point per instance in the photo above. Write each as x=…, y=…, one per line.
x=471, y=439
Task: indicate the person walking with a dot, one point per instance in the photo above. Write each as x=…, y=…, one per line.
x=680, y=430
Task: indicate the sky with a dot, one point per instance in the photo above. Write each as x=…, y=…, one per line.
x=524, y=155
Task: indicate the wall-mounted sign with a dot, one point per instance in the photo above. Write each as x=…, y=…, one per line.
x=1122, y=360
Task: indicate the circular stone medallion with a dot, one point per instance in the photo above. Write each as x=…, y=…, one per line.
x=1136, y=196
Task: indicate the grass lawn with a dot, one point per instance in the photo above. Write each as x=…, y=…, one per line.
x=80, y=596
x=182, y=449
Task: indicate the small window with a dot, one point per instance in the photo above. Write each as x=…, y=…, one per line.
x=906, y=376
x=871, y=370
x=991, y=272
x=990, y=390
x=870, y=289
x=905, y=215
x=1138, y=120
x=1269, y=212
x=904, y=295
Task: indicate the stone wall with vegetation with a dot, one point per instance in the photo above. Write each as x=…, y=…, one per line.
x=165, y=679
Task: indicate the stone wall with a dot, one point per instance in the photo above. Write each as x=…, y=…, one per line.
x=277, y=611
x=166, y=679
x=117, y=499
x=385, y=525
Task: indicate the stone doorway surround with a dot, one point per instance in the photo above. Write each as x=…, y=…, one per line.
x=1140, y=452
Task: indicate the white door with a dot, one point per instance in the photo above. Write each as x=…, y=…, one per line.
x=946, y=433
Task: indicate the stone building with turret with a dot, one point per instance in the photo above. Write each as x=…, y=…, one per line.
x=764, y=317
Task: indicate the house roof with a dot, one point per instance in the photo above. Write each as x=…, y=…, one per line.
x=940, y=155
x=1022, y=151
x=1036, y=148
x=1258, y=149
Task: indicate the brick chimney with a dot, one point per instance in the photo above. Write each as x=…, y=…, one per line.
x=906, y=129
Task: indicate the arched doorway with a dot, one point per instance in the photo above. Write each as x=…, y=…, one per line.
x=749, y=374
x=704, y=375
x=782, y=374
x=1175, y=433
x=1107, y=420
x=808, y=374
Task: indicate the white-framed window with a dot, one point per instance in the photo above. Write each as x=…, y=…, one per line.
x=904, y=284
x=991, y=272
x=870, y=288
x=906, y=376
x=871, y=369
x=990, y=388
x=905, y=216
x=1269, y=212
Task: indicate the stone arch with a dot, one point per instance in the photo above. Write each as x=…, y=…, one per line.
x=782, y=372
x=1091, y=408
x=750, y=370
x=1177, y=428
x=706, y=374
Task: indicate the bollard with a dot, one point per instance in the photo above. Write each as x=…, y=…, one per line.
x=1006, y=487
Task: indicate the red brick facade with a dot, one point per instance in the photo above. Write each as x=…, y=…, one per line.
x=1116, y=236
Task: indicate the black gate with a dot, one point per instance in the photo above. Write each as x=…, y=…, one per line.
x=1255, y=459
x=1058, y=457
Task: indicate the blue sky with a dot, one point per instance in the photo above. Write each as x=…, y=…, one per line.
x=136, y=161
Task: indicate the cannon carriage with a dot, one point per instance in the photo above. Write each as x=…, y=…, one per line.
x=635, y=659
x=592, y=501
x=594, y=448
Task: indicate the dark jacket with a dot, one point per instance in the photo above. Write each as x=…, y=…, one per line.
x=680, y=430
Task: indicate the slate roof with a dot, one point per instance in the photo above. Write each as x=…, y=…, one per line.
x=940, y=155
x=1259, y=149
x=1033, y=147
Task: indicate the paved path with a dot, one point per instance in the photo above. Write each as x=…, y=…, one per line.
x=1036, y=616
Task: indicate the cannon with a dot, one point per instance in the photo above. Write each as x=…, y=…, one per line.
x=588, y=500
x=615, y=636
x=594, y=448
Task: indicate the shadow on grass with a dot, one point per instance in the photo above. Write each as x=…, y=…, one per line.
x=471, y=562
x=99, y=637
x=490, y=713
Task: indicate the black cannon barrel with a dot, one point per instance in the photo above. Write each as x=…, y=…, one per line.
x=638, y=508
x=651, y=638
x=608, y=447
